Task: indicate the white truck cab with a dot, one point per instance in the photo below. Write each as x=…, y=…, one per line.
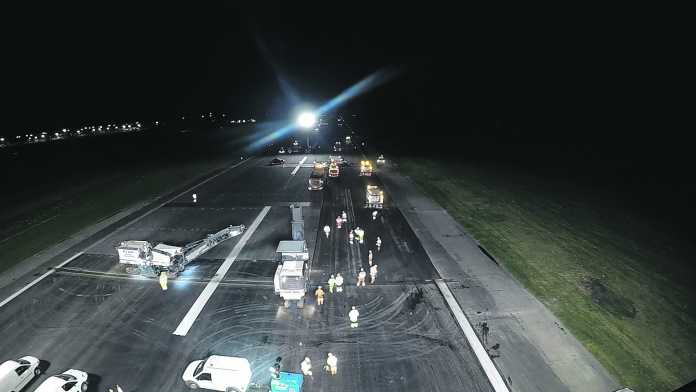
x=15, y=374
x=218, y=373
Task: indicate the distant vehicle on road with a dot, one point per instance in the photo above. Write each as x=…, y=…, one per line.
x=333, y=170
x=16, y=374
x=276, y=161
x=70, y=380
x=317, y=178
x=281, y=151
x=381, y=160
x=365, y=168
x=374, y=197
x=218, y=373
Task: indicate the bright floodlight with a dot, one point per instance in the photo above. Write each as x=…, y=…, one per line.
x=307, y=120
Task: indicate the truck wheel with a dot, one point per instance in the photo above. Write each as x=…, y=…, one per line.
x=37, y=372
x=84, y=386
x=192, y=385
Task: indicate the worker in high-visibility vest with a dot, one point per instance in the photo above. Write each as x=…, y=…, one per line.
x=361, y=277
x=163, y=280
x=374, y=215
x=379, y=244
x=319, y=293
x=332, y=283
x=339, y=222
x=353, y=316
x=344, y=216
x=350, y=237
x=332, y=364
x=369, y=256
x=339, y=283
x=373, y=273
x=195, y=197
x=360, y=233
x=306, y=367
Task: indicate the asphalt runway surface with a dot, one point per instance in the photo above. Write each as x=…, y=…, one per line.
x=90, y=315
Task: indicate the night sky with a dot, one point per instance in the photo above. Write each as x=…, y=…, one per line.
x=608, y=80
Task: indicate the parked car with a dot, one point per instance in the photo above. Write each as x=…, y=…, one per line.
x=15, y=374
x=276, y=161
x=71, y=380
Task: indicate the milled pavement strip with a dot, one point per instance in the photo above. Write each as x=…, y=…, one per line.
x=208, y=291
x=486, y=362
x=294, y=171
x=37, y=280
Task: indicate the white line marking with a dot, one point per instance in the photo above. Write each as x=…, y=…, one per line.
x=37, y=280
x=298, y=166
x=486, y=362
x=209, y=289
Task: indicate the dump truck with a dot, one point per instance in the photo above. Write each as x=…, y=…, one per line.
x=290, y=279
x=141, y=258
x=317, y=177
x=365, y=168
x=374, y=197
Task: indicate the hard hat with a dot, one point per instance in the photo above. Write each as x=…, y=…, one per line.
x=332, y=275
x=319, y=287
x=353, y=307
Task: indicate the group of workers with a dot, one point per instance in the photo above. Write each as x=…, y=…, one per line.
x=331, y=365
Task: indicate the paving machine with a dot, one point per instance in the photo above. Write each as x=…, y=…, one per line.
x=290, y=279
x=140, y=257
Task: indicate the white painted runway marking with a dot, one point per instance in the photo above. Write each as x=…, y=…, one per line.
x=486, y=362
x=37, y=280
x=209, y=289
x=294, y=171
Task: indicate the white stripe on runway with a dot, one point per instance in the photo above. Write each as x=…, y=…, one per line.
x=298, y=166
x=209, y=289
x=486, y=362
x=37, y=280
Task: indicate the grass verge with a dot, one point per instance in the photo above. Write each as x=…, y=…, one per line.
x=94, y=200
x=619, y=282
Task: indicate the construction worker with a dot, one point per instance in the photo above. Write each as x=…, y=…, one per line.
x=275, y=369
x=344, y=216
x=327, y=230
x=339, y=222
x=350, y=237
x=339, y=283
x=360, y=233
x=361, y=277
x=332, y=364
x=379, y=243
x=195, y=198
x=374, y=215
x=319, y=293
x=373, y=273
x=163, y=280
x=353, y=316
x=369, y=256
x=306, y=367
x=332, y=283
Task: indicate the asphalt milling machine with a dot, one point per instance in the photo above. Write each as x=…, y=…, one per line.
x=141, y=258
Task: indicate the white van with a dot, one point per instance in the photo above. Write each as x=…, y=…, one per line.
x=16, y=374
x=218, y=373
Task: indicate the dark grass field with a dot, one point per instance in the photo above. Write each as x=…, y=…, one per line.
x=53, y=190
x=618, y=277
